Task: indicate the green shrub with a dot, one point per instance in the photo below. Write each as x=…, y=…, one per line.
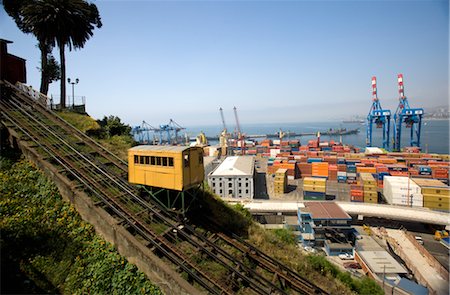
x=286, y=236
x=53, y=246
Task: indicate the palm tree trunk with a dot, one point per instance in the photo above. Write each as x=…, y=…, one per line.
x=44, y=74
x=63, y=75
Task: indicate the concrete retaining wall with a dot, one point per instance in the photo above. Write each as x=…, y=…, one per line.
x=127, y=245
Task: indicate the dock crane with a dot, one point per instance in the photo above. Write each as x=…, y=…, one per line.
x=381, y=118
x=142, y=132
x=168, y=128
x=411, y=117
x=224, y=136
x=240, y=135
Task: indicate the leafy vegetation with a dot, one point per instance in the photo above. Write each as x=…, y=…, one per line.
x=46, y=239
x=109, y=131
x=363, y=286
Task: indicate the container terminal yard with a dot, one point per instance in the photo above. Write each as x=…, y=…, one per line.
x=378, y=213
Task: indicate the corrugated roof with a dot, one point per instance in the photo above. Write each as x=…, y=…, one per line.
x=161, y=148
x=326, y=210
x=240, y=166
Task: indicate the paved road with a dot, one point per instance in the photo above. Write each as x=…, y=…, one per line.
x=420, y=263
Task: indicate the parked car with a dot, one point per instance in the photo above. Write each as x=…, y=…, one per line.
x=345, y=256
x=419, y=239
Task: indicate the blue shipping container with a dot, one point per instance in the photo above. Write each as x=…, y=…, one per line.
x=312, y=160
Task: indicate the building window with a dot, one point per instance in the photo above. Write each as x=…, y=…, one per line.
x=246, y=184
x=158, y=161
x=147, y=160
x=230, y=184
x=246, y=191
x=164, y=161
x=220, y=184
x=230, y=179
x=220, y=191
x=230, y=192
x=141, y=160
x=171, y=162
x=239, y=184
x=213, y=184
x=152, y=160
x=240, y=191
x=136, y=159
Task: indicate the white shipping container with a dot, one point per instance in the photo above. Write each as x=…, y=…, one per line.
x=290, y=177
x=342, y=173
x=400, y=190
x=276, y=141
x=349, y=174
x=274, y=152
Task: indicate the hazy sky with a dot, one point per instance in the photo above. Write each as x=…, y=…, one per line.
x=276, y=61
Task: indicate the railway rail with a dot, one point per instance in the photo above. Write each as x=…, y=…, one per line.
x=103, y=176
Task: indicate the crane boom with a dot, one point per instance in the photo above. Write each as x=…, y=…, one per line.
x=237, y=122
x=240, y=135
x=223, y=119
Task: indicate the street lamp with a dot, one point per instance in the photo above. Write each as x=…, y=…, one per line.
x=73, y=90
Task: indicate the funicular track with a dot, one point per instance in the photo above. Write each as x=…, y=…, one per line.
x=102, y=175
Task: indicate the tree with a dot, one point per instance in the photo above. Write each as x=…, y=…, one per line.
x=14, y=8
x=51, y=70
x=62, y=23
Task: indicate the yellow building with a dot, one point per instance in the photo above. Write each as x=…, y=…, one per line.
x=171, y=167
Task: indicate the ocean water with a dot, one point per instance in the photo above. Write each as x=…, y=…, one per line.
x=434, y=138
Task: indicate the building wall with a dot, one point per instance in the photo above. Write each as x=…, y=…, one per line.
x=237, y=187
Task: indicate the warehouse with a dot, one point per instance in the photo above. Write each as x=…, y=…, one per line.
x=234, y=178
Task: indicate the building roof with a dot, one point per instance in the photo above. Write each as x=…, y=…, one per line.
x=235, y=166
x=332, y=245
x=412, y=287
x=326, y=210
x=161, y=148
x=381, y=262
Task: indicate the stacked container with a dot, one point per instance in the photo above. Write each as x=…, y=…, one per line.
x=351, y=174
x=436, y=195
x=280, y=182
x=332, y=172
x=369, y=187
x=356, y=193
x=399, y=190
x=319, y=169
x=314, y=188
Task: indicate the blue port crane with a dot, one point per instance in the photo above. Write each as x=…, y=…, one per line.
x=381, y=118
x=169, y=131
x=142, y=133
x=411, y=117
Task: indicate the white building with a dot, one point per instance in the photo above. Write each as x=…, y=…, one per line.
x=234, y=178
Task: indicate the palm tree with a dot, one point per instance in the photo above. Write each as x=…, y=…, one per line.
x=62, y=23
x=14, y=8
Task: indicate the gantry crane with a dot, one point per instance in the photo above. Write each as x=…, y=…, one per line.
x=142, y=133
x=381, y=118
x=240, y=135
x=172, y=126
x=411, y=117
